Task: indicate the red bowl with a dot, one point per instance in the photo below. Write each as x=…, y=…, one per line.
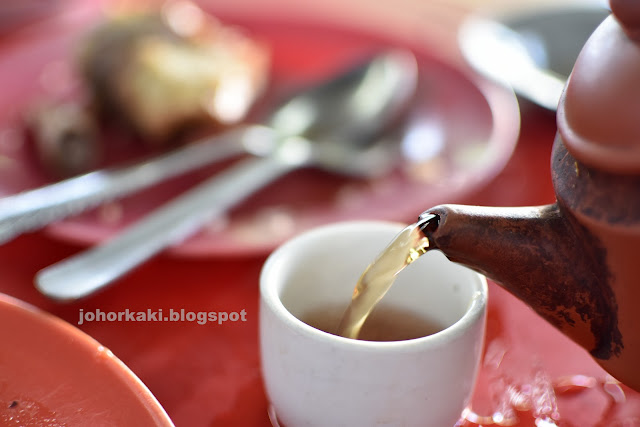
x=53, y=374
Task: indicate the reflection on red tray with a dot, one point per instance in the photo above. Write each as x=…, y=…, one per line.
x=532, y=375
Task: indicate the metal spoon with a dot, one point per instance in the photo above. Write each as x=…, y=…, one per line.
x=345, y=125
x=533, y=51
x=36, y=208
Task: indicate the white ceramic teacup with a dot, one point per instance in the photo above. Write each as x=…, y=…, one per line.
x=314, y=378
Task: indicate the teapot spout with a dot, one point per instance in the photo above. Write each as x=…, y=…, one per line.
x=542, y=256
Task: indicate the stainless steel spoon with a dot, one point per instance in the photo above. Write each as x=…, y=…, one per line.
x=531, y=51
x=36, y=208
x=337, y=130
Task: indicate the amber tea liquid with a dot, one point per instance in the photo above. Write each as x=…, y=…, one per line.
x=383, y=324
x=376, y=280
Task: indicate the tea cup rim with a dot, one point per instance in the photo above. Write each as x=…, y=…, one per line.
x=271, y=297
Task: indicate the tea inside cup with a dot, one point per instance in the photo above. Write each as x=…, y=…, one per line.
x=417, y=359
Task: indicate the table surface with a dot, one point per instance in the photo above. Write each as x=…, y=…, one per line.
x=209, y=374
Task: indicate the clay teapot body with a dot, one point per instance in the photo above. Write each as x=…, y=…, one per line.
x=575, y=262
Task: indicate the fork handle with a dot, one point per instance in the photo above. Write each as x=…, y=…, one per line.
x=36, y=208
x=89, y=271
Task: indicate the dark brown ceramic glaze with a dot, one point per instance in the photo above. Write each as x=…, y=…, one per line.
x=545, y=255
x=598, y=112
x=575, y=262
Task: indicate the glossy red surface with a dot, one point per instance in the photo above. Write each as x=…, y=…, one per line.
x=209, y=375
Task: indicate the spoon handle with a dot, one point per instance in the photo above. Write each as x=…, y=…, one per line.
x=36, y=208
x=95, y=268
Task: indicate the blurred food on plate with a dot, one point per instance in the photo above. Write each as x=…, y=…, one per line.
x=159, y=74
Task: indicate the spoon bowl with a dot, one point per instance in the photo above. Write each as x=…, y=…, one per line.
x=532, y=51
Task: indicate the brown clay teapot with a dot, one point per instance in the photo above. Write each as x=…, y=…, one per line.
x=576, y=262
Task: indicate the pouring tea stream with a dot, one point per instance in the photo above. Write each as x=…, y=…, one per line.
x=575, y=262
x=339, y=127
